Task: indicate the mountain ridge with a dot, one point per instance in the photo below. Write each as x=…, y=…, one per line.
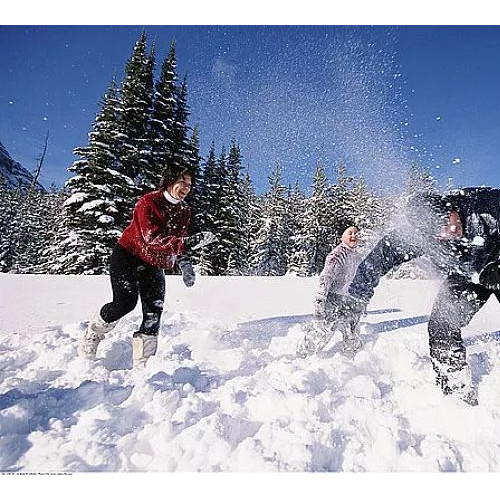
x=14, y=173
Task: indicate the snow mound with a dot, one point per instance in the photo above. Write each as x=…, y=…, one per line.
x=226, y=391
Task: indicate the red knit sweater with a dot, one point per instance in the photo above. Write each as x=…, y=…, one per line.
x=156, y=233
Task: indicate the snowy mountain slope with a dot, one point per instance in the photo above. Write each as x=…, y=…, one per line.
x=13, y=172
x=225, y=391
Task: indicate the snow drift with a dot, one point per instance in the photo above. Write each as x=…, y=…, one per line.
x=226, y=392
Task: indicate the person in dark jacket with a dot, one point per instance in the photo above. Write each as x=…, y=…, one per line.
x=460, y=232
x=156, y=239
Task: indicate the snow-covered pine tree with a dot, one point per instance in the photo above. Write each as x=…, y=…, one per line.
x=99, y=195
x=9, y=210
x=194, y=199
x=250, y=222
x=226, y=201
x=135, y=123
x=21, y=229
x=209, y=189
x=4, y=210
x=180, y=153
x=318, y=219
x=270, y=244
x=31, y=230
x=420, y=180
x=51, y=256
x=313, y=232
x=371, y=214
x=342, y=203
x=164, y=108
x=369, y=209
x=237, y=259
x=222, y=212
x=298, y=260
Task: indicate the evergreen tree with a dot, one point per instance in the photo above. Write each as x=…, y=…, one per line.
x=271, y=238
x=4, y=223
x=299, y=259
x=164, y=108
x=227, y=208
x=209, y=201
x=195, y=196
x=51, y=257
x=250, y=221
x=222, y=211
x=235, y=212
x=314, y=230
x=319, y=219
x=135, y=125
x=30, y=230
x=17, y=238
x=9, y=210
x=370, y=211
x=137, y=131
x=99, y=194
x=180, y=153
x=420, y=180
x=343, y=204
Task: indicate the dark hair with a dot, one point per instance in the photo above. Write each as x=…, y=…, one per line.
x=173, y=173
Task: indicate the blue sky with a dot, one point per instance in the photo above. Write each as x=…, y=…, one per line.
x=377, y=97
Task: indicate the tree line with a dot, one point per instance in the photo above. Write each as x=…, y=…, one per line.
x=142, y=125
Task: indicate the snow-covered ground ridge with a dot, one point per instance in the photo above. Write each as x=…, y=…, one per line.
x=226, y=392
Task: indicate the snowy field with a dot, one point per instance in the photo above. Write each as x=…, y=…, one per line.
x=225, y=391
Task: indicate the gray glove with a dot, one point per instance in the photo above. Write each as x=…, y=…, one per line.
x=352, y=305
x=188, y=274
x=320, y=308
x=199, y=240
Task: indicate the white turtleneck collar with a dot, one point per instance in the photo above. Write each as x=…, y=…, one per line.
x=170, y=198
x=346, y=246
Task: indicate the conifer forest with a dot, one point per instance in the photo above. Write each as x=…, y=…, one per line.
x=142, y=124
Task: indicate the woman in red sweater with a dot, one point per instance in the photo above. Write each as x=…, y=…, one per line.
x=156, y=239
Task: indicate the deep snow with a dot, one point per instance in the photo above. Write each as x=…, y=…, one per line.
x=225, y=391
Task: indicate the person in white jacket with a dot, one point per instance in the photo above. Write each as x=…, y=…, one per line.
x=339, y=269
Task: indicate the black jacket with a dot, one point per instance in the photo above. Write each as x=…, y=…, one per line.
x=479, y=211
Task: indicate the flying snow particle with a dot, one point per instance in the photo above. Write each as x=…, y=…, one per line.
x=11, y=102
x=455, y=161
x=45, y=118
x=438, y=118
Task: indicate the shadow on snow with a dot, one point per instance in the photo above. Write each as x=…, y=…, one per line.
x=39, y=408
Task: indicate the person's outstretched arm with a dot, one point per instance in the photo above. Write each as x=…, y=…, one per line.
x=390, y=251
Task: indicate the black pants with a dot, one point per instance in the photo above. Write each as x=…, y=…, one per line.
x=456, y=304
x=131, y=277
